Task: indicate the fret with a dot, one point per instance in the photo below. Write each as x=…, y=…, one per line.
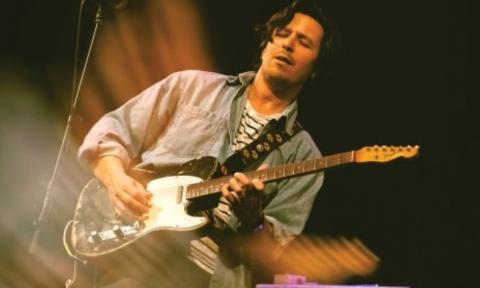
x=262, y=176
x=214, y=187
x=334, y=160
x=320, y=164
x=289, y=170
x=220, y=185
x=300, y=168
x=279, y=172
x=272, y=175
x=251, y=174
x=310, y=165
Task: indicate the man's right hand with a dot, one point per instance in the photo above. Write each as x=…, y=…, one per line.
x=128, y=196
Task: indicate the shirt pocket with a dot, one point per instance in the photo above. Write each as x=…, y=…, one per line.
x=193, y=131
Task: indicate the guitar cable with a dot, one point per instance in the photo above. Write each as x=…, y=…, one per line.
x=67, y=246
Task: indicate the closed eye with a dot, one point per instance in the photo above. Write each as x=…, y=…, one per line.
x=304, y=41
x=282, y=33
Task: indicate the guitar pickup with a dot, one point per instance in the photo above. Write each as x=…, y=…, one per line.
x=180, y=194
x=118, y=232
x=94, y=237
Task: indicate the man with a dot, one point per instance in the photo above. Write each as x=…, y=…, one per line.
x=191, y=114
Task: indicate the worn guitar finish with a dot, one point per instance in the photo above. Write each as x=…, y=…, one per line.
x=176, y=201
x=97, y=230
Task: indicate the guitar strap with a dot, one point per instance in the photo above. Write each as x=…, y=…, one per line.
x=268, y=141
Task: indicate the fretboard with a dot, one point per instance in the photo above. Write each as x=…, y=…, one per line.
x=273, y=173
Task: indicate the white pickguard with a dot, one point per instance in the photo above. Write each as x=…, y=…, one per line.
x=168, y=209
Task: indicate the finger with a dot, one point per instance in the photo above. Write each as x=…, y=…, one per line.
x=225, y=190
x=137, y=191
x=235, y=184
x=144, y=193
x=120, y=208
x=242, y=178
x=132, y=204
x=235, y=198
x=258, y=185
x=227, y=193
x=115, y=202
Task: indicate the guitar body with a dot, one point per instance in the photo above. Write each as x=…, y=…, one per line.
x=97, y=230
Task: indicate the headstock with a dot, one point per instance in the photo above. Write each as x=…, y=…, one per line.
x=385, y=153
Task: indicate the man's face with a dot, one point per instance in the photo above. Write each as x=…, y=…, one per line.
x=292, y=53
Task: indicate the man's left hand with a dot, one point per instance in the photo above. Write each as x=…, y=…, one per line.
x=245, y=196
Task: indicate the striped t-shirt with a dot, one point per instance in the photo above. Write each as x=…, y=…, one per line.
x=251, y=126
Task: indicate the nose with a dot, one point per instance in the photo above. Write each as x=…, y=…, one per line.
x=288, y=43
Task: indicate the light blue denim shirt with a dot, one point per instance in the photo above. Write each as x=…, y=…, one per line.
x=191, y=114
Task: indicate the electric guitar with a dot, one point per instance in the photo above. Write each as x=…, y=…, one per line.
x=97, y=230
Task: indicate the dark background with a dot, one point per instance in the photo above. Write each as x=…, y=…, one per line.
x=403, y=78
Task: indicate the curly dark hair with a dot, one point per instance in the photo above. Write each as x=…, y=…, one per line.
x=283, y=17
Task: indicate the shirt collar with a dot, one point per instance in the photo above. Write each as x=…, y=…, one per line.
x=246, y=78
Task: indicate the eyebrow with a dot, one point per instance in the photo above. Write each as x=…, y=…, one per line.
x=300, y=35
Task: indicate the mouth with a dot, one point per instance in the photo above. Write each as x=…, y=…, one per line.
x=285, y=59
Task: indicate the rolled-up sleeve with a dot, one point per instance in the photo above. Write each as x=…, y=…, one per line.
x=125, y=131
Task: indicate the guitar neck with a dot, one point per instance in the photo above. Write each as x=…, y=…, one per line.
x=276, y=173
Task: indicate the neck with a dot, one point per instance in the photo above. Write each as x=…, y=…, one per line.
x=270, y=96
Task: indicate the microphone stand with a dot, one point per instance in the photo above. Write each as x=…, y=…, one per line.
x=41, y=217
